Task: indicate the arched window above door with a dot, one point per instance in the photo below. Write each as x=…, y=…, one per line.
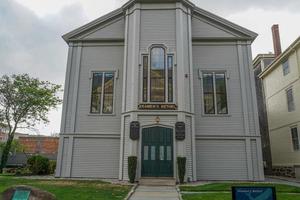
x=158, y=76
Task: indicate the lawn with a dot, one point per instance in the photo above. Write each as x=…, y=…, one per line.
x=70, y=190
x=222, y=191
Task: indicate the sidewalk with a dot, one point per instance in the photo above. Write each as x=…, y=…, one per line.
x=155, y=193
x=283, y=180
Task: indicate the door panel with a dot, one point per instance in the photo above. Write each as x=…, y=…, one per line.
x=157, y=152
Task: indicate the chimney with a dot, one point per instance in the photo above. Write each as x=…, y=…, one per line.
x=276, y=40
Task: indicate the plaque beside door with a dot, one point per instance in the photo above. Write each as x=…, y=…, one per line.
x=134, y=130
x=180, y=130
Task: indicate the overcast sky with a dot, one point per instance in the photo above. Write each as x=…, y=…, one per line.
x=30, y=32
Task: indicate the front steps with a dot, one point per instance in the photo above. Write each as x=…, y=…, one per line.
x=154, y=181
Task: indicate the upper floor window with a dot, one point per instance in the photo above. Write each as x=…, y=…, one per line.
x=215, y=93
x=102, y=96
x=286, y=67
x=295, y=138
x=290, y=100
x=158, y=76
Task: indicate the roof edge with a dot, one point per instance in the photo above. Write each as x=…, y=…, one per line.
x=281, y=57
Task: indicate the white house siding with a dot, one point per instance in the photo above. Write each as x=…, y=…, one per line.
x=221, y=159
x=96, y=157
x=225, y=148
x=99, y=58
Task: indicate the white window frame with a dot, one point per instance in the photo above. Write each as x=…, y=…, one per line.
x=293, y=148
x=148, y=54
x=286, y=68
x=102, y=92
x=200, y=74
x=287, y=99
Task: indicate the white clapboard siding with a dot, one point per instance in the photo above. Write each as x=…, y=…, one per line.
x=158, y=27
x=112, y=30
x=64, y=157
x=96, y=157
x=218, y=58
x=189, y=153
x=100, y=58
x=255, y=160
x=203, y=29
x=126, y=147
x=221, y=160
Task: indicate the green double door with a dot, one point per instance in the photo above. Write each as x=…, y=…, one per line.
x=157, y=152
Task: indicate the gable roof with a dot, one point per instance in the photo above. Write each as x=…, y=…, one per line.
x=281, y=58
x=247, y=34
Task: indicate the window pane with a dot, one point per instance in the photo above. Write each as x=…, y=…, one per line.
x=96, y=93
x=153, y=152
x=157, y=75
x=145, y=78
x=145, y=152
x=162, y=153
x=290, y=100
x=208, y=92
x=169, y=153
x=286, y=67
x=295, y=138
x=170, y=78
x=108, y=93
x=221, y=93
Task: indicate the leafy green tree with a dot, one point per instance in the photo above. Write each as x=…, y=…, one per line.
x=16, y=147
x=24, y=101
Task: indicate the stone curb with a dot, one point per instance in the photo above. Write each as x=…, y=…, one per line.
x=179, y=193
x=131, y=192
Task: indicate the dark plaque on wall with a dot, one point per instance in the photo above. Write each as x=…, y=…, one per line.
x=180, y=130
x=134, y=130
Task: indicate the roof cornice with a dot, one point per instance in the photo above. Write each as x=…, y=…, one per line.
x=295, y=45
x=246, y=34
x=262, y=56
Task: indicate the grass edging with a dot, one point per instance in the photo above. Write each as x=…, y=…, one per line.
x=131, y=192
x=179, y=192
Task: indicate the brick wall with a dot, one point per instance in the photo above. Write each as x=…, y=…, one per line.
x=39, y=144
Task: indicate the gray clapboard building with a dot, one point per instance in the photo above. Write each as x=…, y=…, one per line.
x=140, y=73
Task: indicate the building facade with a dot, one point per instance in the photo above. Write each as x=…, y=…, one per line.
x=281, y=81
x=260, y=63
x=158, y=80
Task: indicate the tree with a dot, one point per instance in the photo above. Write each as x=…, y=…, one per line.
x=24, y=101
x=16, y=147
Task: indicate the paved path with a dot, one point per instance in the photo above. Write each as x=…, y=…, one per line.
x=283, y=180
x=155, y=193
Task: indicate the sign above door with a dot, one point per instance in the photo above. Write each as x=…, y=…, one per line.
x=158, y=107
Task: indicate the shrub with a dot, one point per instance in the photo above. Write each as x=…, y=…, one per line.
x=181, y=161
x=132, y=163
x=25, y=171
x=38, y=165
x=52, y=166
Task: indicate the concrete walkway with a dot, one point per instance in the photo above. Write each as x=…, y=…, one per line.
x=155, y=193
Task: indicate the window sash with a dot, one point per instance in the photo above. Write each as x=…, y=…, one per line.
x=215, y=101
x=290, y=100
x=157, y=77
x=295, y=138
x=285, y=67
x=105, y=94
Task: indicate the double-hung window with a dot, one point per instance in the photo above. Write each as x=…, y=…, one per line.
x=214, y=93
x=286, y=67
x=157, y=76
x=102, y=97
x=290, y=100
x=295, y=138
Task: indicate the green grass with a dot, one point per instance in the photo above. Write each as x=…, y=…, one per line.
x=71, y=190
x=222, y=191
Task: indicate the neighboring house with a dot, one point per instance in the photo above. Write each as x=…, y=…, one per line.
x=281, y=81
x=4, y=136
x=159, y=79
x=260, y=63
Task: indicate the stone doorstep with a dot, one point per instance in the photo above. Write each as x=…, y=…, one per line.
x=157, y=181
x=155, y=193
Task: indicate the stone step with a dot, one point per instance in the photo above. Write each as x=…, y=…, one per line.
x=157, y=181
